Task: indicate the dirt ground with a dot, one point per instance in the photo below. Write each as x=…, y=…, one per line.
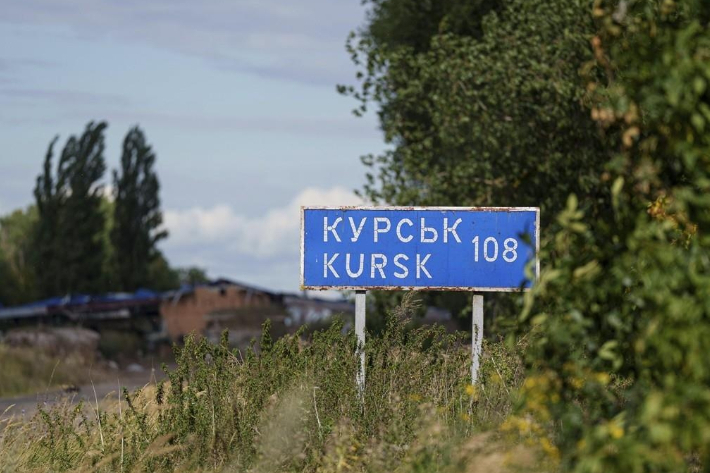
x=106, y=389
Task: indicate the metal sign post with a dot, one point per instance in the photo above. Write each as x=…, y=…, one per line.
x=478, y=249
x=476, y=336
x=360, y=305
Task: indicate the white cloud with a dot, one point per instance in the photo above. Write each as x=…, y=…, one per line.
x=274, y=234
x=263, y=251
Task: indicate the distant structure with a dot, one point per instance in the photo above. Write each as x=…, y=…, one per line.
x=164, y=318
x=311, y=310
x=222, y=304
x=137, y=311
x=160, y=319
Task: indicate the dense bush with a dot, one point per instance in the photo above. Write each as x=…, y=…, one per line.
x=619, y=374
x=481, y=102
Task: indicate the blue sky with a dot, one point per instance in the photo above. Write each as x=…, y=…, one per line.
x=237, y=98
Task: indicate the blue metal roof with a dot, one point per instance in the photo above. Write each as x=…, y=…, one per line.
x=87, y=303
x=45, y=307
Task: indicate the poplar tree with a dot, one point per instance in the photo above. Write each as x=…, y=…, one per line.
x=137, y=214
x=68, y=243
x=45, y=242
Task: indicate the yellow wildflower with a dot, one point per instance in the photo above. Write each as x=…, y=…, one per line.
x=549, y=448
x=615, y=430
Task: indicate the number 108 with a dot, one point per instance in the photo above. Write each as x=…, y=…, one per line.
x=490, y=249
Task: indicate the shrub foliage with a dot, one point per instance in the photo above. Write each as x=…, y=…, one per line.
x=622, y=316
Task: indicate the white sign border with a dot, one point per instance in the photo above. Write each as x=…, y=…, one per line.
x=420, y=288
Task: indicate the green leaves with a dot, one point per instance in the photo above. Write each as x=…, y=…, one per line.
x=16, y=272
x=607, y=352
x=68, y=244
x=630, y=300
x=137, y=218
x=83, y=242
x=486, y=114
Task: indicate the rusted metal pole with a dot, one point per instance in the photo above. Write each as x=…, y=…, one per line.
x=360, y=305
x=476, y=336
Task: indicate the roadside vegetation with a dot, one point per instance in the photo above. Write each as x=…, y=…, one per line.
x=292, y=405
x=25, y=370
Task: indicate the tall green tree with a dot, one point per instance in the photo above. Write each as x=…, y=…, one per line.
x=49, y=200
x=481, y=102
x=137, y=215
x=620, y=319
x=68, y=243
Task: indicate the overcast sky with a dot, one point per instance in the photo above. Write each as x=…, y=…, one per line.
x=237, y=98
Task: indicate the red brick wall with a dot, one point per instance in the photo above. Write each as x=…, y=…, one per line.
x=187, y=314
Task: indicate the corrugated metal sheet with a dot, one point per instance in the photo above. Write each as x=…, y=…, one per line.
x=106, y=305
x=99, y=304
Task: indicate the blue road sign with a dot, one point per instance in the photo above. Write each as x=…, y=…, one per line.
x=426, y=248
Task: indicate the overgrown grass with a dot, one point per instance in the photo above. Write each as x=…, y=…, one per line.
x=26, y=371
x=290, y=406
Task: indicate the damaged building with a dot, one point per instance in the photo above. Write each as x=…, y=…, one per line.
x=161, y=319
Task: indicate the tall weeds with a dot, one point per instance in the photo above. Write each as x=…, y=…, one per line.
x=286, y=405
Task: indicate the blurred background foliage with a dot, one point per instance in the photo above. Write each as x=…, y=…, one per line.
x=480, y=109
